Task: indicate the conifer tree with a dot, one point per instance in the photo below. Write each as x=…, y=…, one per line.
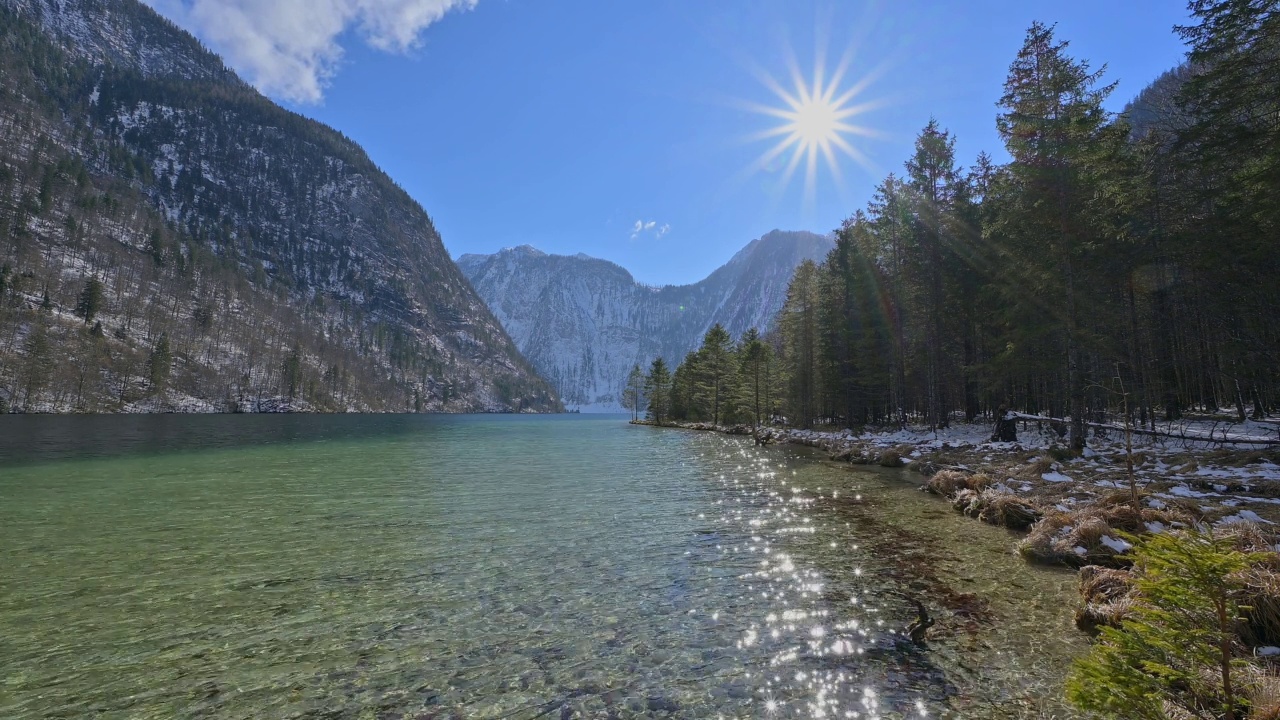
x=798, y=322
x=1176, y=646
x=755, y=359
x=159, y=363
x=90, y=300
x=633, y=392
x=714, y=374
x=934, y=184
x=657, y=388
x=1051, y=117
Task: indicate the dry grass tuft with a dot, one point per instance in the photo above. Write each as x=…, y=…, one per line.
x=1032, y=470
x=1249, y=537
x=1262, y=690
x=1092, y=617
x=1008, y=510
x=893, y=456
x=1103, y=585
x=996, y=507
x=948, y=482
x=963, y=499
x=1262, y=600
x=1074, y=538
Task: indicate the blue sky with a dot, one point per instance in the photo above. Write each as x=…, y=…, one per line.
x=562, y=124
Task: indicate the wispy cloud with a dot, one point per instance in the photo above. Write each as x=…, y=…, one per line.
x=648, y=227
x=289, y=48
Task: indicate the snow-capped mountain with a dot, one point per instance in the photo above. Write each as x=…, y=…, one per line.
x=583, y=322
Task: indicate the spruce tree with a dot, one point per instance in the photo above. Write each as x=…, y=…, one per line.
x=1051, y=118
x=934, y=182
x=159, y=363
x=714, y=374
x=90, y=300
x=798, y=322
x=1176, y=647
x=657, y=388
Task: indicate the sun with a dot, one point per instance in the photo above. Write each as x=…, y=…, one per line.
x=816, y=124
x=813, y=123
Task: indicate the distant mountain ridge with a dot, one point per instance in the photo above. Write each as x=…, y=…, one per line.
x=583, y=322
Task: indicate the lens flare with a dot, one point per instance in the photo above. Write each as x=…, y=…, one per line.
x=816, y=123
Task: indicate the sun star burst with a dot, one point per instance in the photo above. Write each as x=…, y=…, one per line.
x=815, y=124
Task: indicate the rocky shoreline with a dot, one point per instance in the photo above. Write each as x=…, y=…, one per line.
x=1076, y=508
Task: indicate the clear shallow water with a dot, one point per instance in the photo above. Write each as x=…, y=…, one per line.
x=496, y=567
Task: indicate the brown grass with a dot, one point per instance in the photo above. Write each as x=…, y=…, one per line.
x=1092, y=617
x=1032, y=470
x=996, y=508
x=1262, y=602
x=1054, y=539
x=1102, y=584
x=980, y=481
x=947, y=482
x=1008, y=510
x=1262, y=690
x=893, y=456
x=1249, y=537
x=963, y=500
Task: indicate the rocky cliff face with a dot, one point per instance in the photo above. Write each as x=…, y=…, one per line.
x=584, y=322
x=279, y=264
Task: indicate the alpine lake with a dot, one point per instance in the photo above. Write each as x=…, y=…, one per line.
x=573, y=566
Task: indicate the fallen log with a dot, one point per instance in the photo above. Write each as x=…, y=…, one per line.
x=1210, y=438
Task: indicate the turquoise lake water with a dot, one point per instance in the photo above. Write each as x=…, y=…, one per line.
x=495, y=567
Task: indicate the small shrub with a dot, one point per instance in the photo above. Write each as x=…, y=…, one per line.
x=1173, y=656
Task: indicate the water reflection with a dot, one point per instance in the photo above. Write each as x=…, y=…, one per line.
x=494, y=568
x=818, y=648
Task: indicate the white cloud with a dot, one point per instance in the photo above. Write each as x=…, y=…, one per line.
x=289, y=48
x=644, y=227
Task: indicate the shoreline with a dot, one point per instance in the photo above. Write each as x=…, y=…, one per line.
x=1073, y=508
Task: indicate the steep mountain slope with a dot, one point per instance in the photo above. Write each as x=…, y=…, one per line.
x=275, y=263
x=584, y=322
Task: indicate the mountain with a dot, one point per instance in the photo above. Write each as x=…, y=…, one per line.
x=170, y=239
x=583, y=322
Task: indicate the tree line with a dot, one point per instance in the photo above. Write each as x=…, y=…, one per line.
x=1114, y=261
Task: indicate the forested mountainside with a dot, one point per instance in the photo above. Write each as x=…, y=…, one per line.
x=172, y=240
x=1114, y=264
x=584, y=323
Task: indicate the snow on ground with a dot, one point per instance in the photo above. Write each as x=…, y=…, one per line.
x=1216, y=481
